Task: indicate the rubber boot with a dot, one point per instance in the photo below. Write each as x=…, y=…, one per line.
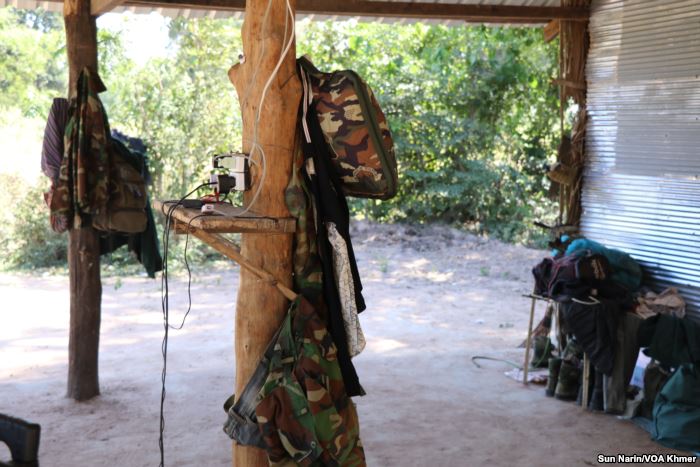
x=597, y=399
x=568, y=382
x=543, y=351
x=554, y=366
x=573, y=352
x=22, y=438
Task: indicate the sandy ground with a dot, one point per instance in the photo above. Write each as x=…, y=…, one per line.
x=435, y=296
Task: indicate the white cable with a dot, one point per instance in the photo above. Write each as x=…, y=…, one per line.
x=255, y=146
x=249, y=86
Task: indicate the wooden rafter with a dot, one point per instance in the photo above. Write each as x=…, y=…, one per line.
x=405, y=10
x=551, y=30
x=98, y=7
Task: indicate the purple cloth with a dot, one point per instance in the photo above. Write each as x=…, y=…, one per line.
x=52, y=149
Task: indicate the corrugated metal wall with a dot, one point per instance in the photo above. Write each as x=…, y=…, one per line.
x=642, y=184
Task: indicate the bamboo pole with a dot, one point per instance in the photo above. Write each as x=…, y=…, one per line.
x=260, y=309
x=586, y=381
x=231, y=251
x=528, y=344
x=84, y=245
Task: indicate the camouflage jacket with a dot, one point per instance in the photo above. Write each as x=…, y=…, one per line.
x=303, y=411
x=82, y=187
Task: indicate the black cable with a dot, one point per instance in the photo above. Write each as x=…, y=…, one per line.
x=165, y=295
x=165, y=307
x=189, y=274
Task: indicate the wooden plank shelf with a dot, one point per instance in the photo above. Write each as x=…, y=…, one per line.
x=225, y=219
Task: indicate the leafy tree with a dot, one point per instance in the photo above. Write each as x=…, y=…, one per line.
x=184, y=107
x=32, y=60
x=471, y=111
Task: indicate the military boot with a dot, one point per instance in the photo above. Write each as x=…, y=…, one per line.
x=542, y=353
x=554, y=366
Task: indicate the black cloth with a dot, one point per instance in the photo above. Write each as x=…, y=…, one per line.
x=331, y=206
x=670, y=340
x=52, y=148
x=595, y=328
x=542, y=274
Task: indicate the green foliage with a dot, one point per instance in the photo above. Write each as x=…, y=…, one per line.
x=184, y=107
x=32, y=60
x=472, y=114
x=28, y=241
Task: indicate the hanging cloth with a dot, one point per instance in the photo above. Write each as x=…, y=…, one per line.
x=54, y=133
x=304, y=414
x=82, y=186
x=329, y=206
x=346, y=290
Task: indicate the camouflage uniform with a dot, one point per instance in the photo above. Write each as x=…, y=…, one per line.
x=82, y=186
x=303, y=411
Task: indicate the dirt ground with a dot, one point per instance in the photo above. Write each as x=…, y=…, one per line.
x=436, y=297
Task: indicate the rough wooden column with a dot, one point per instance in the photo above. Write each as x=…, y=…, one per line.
x=83, y=247
x=260, y=307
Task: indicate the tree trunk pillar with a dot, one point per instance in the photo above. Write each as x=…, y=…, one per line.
x=84, y=245
x=260, y=306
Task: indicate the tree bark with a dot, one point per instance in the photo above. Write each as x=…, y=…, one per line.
x=84, y=245
x=261, y=307
x=85, y=298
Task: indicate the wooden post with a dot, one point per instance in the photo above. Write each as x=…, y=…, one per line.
x=84, y=245
x=260, y=307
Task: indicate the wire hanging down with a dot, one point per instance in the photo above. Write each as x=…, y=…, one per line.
x=165, y=306
x=256, y=147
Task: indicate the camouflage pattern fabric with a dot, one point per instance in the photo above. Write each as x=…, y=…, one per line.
x=303, y=412
x=82, y=189
x=356, y=130
x=307, y=265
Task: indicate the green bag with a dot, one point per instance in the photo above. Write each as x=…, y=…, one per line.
x=355, y=128
x=128, y=197
x=677, y=410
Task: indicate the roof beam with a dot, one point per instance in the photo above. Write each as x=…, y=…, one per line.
x=551, y=30
x=98, y=7
x=415, y=11
x=442, y=11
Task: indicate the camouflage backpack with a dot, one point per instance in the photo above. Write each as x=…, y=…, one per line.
x=126, y=207
x=355, y=129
